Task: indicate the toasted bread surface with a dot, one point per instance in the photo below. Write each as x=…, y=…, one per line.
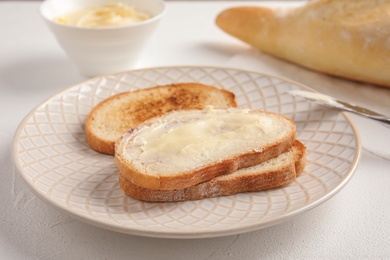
x=180, y=164
x=276, y=172
x=115, y=115
x=339, y=37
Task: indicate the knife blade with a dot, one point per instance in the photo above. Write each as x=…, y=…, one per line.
x=334, y=103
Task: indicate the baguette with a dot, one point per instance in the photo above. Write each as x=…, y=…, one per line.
x=344, y=38
x=273, y=173
x=115, y=115
x=184, y=148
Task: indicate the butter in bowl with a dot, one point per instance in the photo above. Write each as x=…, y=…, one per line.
x=103, y=37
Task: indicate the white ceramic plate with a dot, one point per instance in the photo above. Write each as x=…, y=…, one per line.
x=52, y=156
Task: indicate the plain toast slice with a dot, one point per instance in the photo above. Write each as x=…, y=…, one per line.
x=274, y=173
x=183, y=148
x=115, y=115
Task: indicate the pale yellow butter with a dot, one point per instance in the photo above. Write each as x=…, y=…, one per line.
x=209, y=134
x=109, y=15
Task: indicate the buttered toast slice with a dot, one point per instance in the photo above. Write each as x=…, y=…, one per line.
x=183, y=148
x=345, y=38
x=117, y=114
x=273, y=173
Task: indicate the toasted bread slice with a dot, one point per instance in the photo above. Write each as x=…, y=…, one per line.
x=276, y=172
x=117, y=114
x=183, y=148
x=343, y=38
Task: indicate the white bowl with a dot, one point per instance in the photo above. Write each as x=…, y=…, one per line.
x=97, y=51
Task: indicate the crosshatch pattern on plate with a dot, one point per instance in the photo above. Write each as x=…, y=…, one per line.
x=56, y=161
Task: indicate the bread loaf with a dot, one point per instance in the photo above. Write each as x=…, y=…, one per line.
x=344, y=38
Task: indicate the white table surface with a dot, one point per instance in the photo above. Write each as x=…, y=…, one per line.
x=354, y=224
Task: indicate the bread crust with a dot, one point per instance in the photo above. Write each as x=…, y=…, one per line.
x=223, y=186
x=343, y=38
x=115, y=115
x=206, y=172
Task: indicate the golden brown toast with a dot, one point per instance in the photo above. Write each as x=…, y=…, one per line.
x=273, y=173
x=184, y=148
x=114, y=116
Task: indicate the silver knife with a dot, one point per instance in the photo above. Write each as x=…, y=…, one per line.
x=340, y=105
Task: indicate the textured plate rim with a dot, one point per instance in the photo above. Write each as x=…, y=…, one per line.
x=175, y=234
